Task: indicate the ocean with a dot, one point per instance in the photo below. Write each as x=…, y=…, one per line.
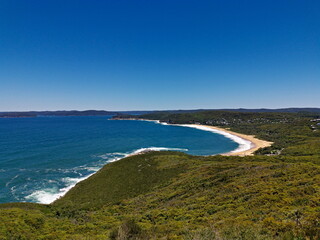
x=42, y=158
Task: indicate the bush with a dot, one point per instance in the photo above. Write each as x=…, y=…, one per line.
x=129, y=229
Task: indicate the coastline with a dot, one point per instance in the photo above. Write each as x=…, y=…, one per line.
x=248, y=144
x=255, y=143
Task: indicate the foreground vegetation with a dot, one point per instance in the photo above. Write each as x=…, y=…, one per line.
x=169, y=195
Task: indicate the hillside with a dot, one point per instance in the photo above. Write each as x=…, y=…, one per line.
x=56, y=113
x=169, y=195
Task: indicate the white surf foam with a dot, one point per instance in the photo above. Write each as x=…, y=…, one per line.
x=49, y=195
x=117, y=155
x=243, y=143
x=141, y=150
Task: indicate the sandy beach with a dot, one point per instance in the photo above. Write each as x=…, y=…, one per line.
x=248, y=143
x=254, y=146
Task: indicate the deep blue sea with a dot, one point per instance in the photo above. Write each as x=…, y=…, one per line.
x=42, y=158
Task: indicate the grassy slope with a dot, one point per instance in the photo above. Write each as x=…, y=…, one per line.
x=124, y=179
x=177, y=196
x=234, y=196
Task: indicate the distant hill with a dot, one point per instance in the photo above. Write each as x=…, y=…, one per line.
x=284, y=110
x=57, y=113
x=108, y=113
x=135, y=112
x=260, y=110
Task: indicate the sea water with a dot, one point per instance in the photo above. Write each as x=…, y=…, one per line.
x=42, y=158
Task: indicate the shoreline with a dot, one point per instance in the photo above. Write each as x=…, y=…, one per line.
x=255, y=143
x=248, y=144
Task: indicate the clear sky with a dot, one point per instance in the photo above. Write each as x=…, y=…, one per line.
x=159, y=54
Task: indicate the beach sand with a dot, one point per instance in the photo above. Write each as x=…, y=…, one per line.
x=255, y=142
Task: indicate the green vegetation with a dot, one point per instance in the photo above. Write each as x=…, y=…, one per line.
x=284, y=129
x=123, y=179
x=170, y=195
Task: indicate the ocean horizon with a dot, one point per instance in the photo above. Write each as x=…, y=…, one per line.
x=44, y=157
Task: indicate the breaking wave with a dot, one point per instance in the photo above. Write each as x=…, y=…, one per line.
x=243, y=144
x=50, y=194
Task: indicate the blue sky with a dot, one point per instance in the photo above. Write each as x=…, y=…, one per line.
x=168, y=54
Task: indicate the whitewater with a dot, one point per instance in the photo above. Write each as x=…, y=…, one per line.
x=41, y=159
